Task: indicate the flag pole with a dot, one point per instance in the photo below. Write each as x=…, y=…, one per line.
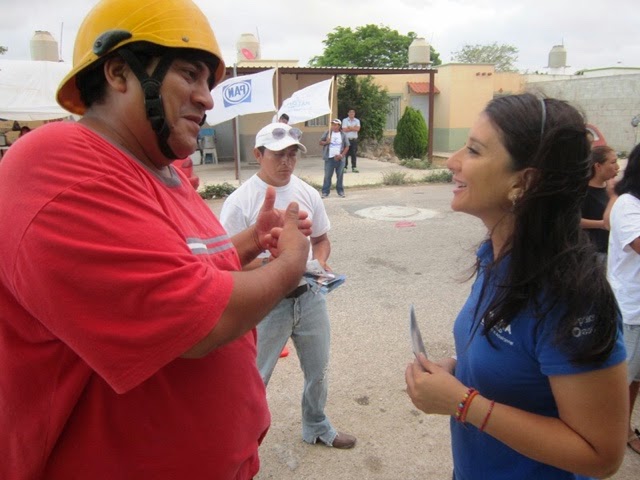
x=236, y=124
x=333, y=81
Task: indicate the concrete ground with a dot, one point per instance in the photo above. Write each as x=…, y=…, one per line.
x=311, y=169
x=392, y=258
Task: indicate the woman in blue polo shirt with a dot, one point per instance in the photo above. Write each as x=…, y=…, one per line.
x=538, y=389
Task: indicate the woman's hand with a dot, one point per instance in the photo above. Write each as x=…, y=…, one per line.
x=432, y=388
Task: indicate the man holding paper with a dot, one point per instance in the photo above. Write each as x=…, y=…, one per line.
x=301, y=315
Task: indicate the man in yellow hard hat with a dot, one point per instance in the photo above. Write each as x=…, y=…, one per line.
x=127, y=338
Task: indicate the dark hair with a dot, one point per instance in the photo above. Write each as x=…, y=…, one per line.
x=630, y=181
x=285, y=116
x=552, y=263
x=92, y=84
x=598, y=155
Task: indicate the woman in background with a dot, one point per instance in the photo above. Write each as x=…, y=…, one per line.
x=604, y=168
x=538, y=389
x=623, y=271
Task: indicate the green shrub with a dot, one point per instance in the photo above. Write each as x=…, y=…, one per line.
x=394, y=178
x=216, y=191
x=411, y=137
x=440, y=176
x=416, y=163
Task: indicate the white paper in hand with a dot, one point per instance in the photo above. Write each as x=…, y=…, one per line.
x=416, y=338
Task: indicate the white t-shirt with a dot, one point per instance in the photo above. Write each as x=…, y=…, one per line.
x=623, y=263
x=240, y=210
x=335, y=147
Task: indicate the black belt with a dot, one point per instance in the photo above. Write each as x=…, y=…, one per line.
x=298, y=291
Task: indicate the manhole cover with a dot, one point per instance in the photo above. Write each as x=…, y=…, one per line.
x=395, y=213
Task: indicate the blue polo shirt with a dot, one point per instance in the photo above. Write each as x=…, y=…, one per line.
x=513, y=371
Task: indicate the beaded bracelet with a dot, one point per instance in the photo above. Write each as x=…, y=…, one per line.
x=460, y=408
x=467, y=404
x=486, y=418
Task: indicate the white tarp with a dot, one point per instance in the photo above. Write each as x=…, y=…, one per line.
x=241, y=96
x=307, y=103
x=28, y=89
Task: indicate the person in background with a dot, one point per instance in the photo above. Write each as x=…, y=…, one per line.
x=284, y=118
x=623, y=270
x=351, y=127
x=538, y=388
x=604, y=168
x=335, y=147
x=24, y=130
x=127, y=329
x=302, y=315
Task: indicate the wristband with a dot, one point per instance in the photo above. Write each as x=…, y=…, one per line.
x=486, y=418
x=461, y=408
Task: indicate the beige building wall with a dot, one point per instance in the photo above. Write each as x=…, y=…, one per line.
x=508, y=83
x=464, y=91
x=397, y=86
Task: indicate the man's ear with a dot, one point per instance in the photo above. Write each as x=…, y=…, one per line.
x=258, y=154
x=116, y=71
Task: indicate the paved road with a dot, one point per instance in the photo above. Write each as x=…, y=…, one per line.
x=390, y=261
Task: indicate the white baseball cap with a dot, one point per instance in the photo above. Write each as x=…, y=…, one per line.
x=278, y=136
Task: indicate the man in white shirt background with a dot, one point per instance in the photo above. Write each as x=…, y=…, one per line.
x=351, y=127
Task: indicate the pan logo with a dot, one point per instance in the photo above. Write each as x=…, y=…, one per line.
x=237, y=93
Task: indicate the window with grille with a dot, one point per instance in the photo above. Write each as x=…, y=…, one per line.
x=318, y=122
x=393, y=115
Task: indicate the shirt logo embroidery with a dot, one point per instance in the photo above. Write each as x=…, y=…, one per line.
x=584, y=326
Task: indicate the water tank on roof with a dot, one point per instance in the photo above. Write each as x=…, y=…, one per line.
x=419, y=53
x=248, y=47
x=44, y=47
x=558, y=57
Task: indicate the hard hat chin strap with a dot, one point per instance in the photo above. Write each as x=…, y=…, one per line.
x=152, y=98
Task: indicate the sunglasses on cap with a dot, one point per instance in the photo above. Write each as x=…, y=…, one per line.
x=280, y=133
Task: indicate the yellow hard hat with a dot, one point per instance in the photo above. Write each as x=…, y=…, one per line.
x=168, y=23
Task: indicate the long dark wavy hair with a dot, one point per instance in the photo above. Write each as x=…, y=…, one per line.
x=630, y=181
x=550, y=258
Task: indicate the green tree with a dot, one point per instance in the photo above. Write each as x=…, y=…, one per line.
x=370, y=102
x=368, y=46
x=503, y=56
x=411, y=137
x=3, y=50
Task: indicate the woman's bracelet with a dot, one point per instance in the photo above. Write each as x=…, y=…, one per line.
x=463, y=406
x=486, y=418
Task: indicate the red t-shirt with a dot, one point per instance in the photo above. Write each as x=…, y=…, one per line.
x=108, y=273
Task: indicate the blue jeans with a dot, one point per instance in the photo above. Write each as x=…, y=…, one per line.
x=305, y=319
x=331, y=165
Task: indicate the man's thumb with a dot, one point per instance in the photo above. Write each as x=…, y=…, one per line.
x=292, y=212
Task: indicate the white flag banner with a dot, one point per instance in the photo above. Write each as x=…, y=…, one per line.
x=241, y=96
x=308, y=103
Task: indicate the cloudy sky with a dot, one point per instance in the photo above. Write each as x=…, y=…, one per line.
x=594, y=33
